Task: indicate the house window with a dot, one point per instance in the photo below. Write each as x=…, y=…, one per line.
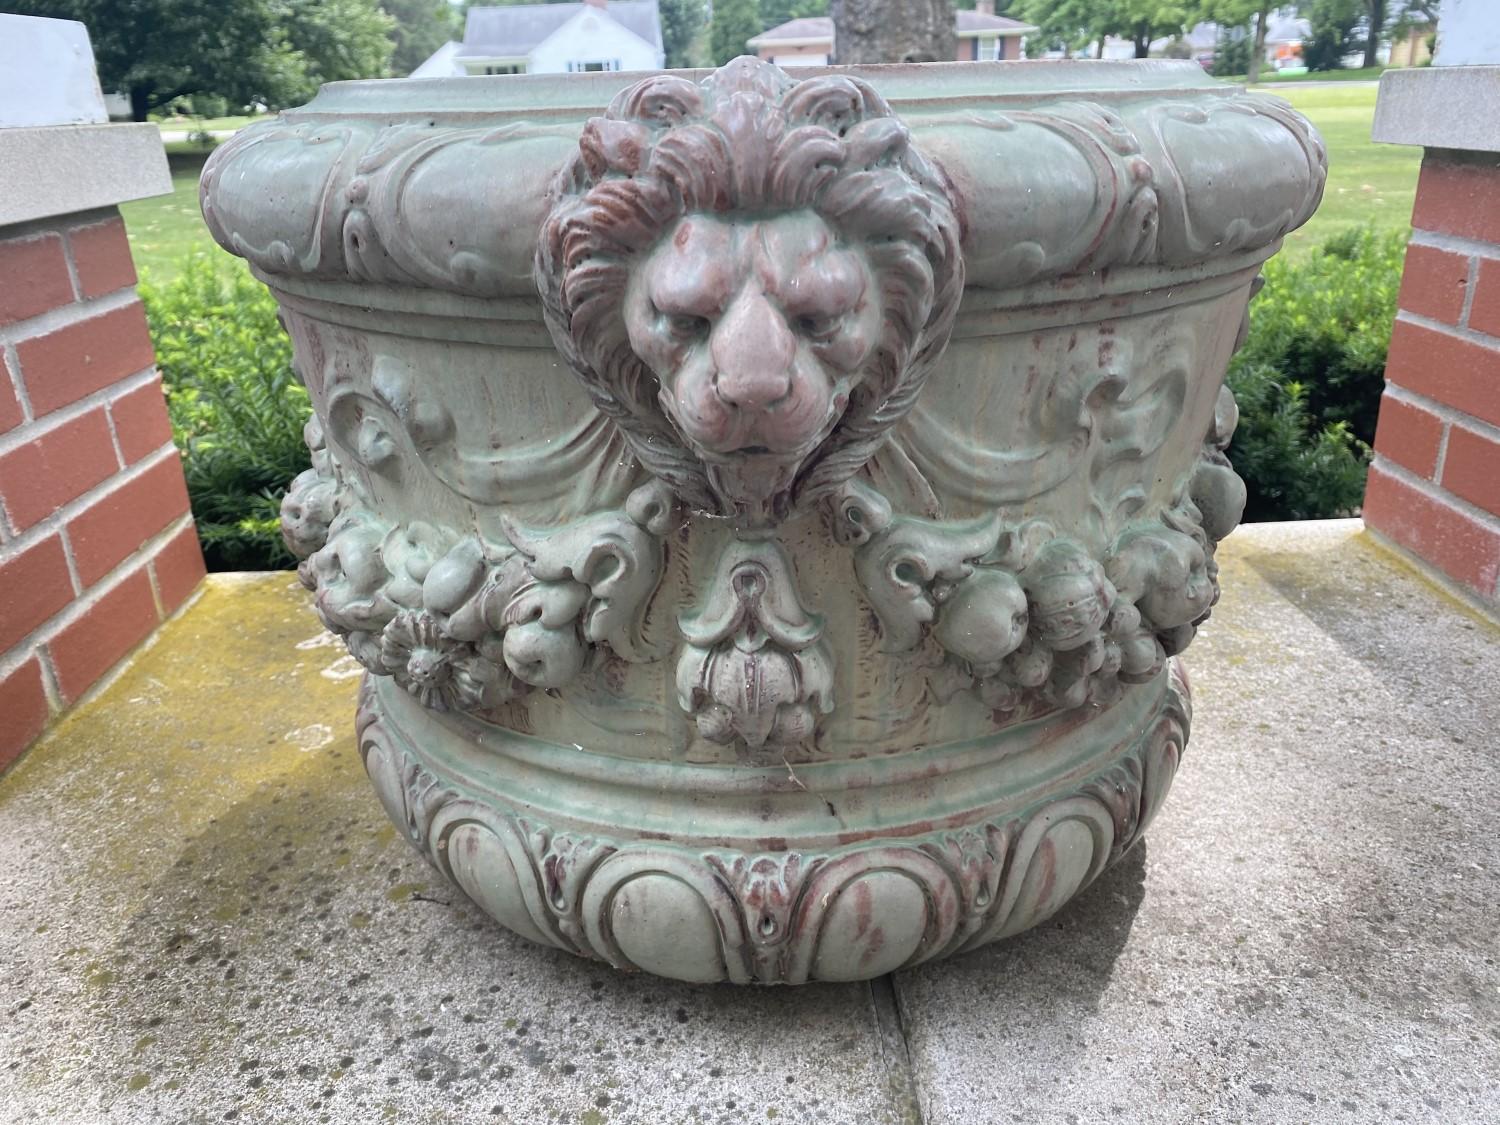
x=593, y=66
x=990, y=50
x=506, y=68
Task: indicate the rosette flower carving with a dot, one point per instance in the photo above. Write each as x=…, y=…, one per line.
x=441, y=672
x=756, y=665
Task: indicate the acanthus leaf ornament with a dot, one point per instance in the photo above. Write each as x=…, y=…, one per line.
x=756, y=665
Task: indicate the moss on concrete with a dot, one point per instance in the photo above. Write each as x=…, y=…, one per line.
x=208, y=917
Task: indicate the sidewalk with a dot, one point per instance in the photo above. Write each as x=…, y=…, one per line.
x=207, y=917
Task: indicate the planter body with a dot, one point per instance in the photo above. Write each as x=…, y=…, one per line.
x=769, y=510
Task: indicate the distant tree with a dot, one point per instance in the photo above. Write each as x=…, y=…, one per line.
x=889, y=31
x=734, y=22
x=1231, y=52
x=1238, y=13
x=337, y=40
x=1079, y=22
x=1375, y=17
x=270, y=51
x=422, y=26
x=1332, y=23
x=773, y=13
x=155, y=51
x=681, y=21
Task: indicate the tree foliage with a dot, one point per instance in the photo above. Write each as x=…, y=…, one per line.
x=422, y=26
x=734, y=22
x=681, y=21
x=336, y=40
x=1077, y=23
x=274, y=52
x=1332, y=23
x=1252, y=15
x=773, y=13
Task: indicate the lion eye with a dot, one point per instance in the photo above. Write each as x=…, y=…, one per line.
x=685, y=326
x=819, y=327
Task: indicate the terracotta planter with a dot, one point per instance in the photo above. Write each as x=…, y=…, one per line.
x=769, y=507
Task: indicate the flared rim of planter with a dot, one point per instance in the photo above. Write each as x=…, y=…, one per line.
x=904, y=83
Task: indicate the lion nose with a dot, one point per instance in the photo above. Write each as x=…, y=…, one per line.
x=752, y=350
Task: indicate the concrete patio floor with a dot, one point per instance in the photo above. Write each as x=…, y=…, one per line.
x=205, y=915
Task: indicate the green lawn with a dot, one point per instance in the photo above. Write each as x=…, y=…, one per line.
x=1367, y=182
x=207, y=124
x=1269, y=76
x=165, y=230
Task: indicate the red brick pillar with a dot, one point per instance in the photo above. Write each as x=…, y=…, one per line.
x=97, y=545
x=1434, y=489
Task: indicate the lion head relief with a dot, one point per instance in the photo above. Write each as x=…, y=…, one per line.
x=752, y=276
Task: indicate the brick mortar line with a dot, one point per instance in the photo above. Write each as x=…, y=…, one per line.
x=114, y=434
x=139, y=559
x=1466, y=334
x=50, y=687
x=1471, y=283
x=155, y=586
x=1442, y=452
x=59, y=520
x=71, y=264
x=13, y=370
x=1436, y=492
x=53, y=320
x=115, y=670
x=1450, y=414
x=59, y=224
x=1455, y=243
x=70, y=562
x=35, y=428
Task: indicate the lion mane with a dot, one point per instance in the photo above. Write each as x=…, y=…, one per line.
x=751, y=140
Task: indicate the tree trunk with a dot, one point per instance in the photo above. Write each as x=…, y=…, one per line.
x=888, y=31
x=1143, y=41
x=1258, y=46
x=1377, y=25
x=140, y=102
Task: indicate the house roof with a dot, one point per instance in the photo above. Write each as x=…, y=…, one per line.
x=809, y=27
x=440, y=63
x=819, y=29
x=516, y=30
x=964, y=20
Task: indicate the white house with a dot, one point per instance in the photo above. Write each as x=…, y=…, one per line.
x=553, y=39
x=980, y=34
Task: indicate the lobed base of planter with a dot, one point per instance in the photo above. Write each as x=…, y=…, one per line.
x=768, y=873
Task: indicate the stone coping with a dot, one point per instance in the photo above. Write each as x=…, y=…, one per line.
x=207, y=916
x=1440, y=107
x=53, y=170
